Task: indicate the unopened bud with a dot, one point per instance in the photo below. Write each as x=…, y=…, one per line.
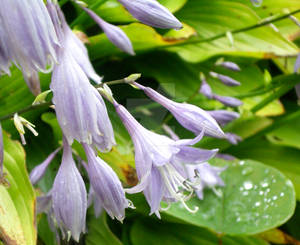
x=41, y=98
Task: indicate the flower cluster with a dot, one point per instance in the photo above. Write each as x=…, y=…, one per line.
x=44, y=42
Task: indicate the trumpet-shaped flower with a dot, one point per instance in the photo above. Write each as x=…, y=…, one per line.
x=113, y=33
x=152, y=13
x=106, y=185
x=208, y=175
x=69, y=197
x=30, y=40
x=189, y=116
x=159, y=163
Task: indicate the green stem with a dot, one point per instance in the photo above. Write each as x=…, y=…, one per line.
x=84, y=15
x=244, y=29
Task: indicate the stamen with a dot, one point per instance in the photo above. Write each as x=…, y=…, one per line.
x=130, y=204
x=193, y=211
x=166, y=208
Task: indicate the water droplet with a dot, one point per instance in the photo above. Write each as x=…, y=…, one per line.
x=274, y=181
x=247, y=171
x=257, y=204
x=267, y=171
x=274, y=198
x=261, y=193
x=248, y=185
x=266, y=216
x=281, y=194
x=268, y=190
x=241, y=188
x=242, y=163
x=238, y=219
x=264, y=184
x=289, y=183
x=245, y=193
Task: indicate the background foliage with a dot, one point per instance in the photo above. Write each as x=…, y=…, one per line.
x=259, y=204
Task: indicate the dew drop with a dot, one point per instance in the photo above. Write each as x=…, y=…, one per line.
x=242, y=163
x=261, y=193
x=281, y=194
x=257, y=204
x=247, y=171
x=245, y=193
x=248, y=185
x=289, y=183
x=274, y=198
x=264, y=184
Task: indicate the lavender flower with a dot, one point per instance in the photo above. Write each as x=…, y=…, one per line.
x=228, y=101
x=189, y=116
x=29, y=36
x=229, y=65
x=39, y=171
x=151, y=13
x=225, y=79
x=95, y=199
x=233, y=138
x=208, y=176
x=114, y=33
x=106, y=185
x=205, y=89
x=223, y=117
x=70, y=43
x=159, y=163
x=69, y=197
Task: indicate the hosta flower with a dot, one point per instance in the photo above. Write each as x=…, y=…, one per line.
x=223, y=117
x=113, y=33
x=205, y=89
x=152, y=13
x=159, y=163
x=228, y=101
x=229, y=65
x=106, y=185
x=80, y=110
x=189, y=116
x=39, y=171
x=209, y=176
x=225, y=79
x=297, y=64
x=69, y=197
x=30, y=36
x=233, y=138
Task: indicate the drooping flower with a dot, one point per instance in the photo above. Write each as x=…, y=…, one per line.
x=209, y=176
x=69, y=196
x=228, y=101
x=152, y=13
x=225, y=79
x=223, y=117
x=205, y=89
x=39, y=171
x=30, y=38
x=159, y=163
x=297, y=64
x=106, y=185
x=229, y=65
x=189, y=116
x=80, y=109
x=114, y=33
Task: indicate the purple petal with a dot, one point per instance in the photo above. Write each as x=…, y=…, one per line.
x=69, y=196
x=39, y=171
x=193, y=155
x=225, y=79
x=297, y=64
x=106, y=185
x=151, y=13
x=205, y=89
x=114, y=33
x=230, y=66
x=228, y=101
x=223, y=117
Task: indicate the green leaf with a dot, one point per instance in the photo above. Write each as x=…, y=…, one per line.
x=17, y=202
x=285, y=159
x=158, y=233
x=99, y=232
x=256, y=198
x=211, y=18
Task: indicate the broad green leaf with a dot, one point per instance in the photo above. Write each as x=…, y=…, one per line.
x=285, y=159
x=256, y=198
x=17, y=202
x=211, y=18
x=99, y=233
x=150, y=233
